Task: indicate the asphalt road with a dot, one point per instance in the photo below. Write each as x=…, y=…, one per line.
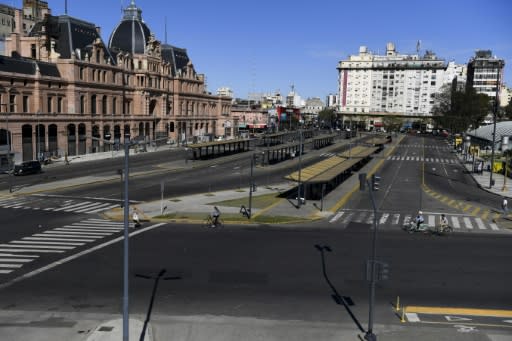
x=274, y=273
x=261, y=271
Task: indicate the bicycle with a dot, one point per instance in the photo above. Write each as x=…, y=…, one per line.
x=208, y=222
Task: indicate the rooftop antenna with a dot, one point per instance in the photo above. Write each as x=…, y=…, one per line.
x=66, y=7
x=418, y=46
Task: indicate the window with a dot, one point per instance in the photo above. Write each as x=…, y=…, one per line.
x=81, y=73
x=33, y=53
x=104, y=105
x=49, y=104
x=25, y=103
x=82, y=104
x=93, y=104
x=12, y=103
x=114, y=105
x=59, y=104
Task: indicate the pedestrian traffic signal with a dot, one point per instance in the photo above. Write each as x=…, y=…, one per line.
x=375, y=182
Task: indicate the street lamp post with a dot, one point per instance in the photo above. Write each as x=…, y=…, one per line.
x=126, y=243
x=299, y=192
x=495, y=112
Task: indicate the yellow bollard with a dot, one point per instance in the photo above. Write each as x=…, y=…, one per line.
x=397, y=306
x=403, y=315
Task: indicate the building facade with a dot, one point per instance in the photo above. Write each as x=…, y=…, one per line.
x=401, y=84
x=63, y=91
x=485, y=73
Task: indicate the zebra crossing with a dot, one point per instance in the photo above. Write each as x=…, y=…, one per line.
x=45, y=203
x=422, y=159
x=393, y=219
x=18, y=253
x=423, y=146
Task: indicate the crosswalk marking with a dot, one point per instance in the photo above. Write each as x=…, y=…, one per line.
x=494, y=226
x=420, y=159
x=468, y=223
x=458, y=222
x=17, y=253
x=336, y=217
x=455, y=223
x=37, y=202
x=383, y=218
x=59, y=239
x=431, y=220
x=480, y=223
x=33, y=242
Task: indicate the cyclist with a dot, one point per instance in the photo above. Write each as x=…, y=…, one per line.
x=443, y=223
x=215, y=216
x=419, y=219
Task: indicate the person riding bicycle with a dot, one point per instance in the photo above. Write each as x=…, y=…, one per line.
x=443, y=223
x=215, y=216
x=419, y=219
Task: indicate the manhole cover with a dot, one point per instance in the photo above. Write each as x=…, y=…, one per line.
x=105, y=329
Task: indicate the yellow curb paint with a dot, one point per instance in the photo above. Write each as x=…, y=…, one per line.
x=445, y=199
x=475, y=211
x=496, y=215
x=485, y=214
x=458, y=311
x=466, y=208
x=451, y=202
x=347, y=196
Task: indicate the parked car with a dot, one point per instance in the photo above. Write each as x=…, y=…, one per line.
x=28, y=167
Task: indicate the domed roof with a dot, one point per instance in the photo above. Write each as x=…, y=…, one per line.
x=131, y=34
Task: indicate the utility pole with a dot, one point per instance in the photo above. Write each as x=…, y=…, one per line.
x=495, y=113
x=373, y=186
x=126, y=242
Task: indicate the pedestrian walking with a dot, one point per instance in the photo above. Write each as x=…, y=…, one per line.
x=135, y=218
x=504, y=206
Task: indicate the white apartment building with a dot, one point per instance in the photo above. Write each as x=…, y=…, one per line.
x=332, y=100
x=456, y=71
x=395, y=83
x=505, y=95
x=225, y=92
x=485, y=73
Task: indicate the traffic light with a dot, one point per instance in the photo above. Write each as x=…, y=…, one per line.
x=362, y=181
x=375, y=182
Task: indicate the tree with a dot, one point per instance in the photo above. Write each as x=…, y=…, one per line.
x=327, y=116
x=508, y=111
x=457, y=110
x=392, y=123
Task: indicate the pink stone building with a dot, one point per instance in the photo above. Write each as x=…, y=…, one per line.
x=64, y=91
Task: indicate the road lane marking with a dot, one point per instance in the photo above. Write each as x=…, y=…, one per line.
x=383, y=218
x=412, y=317
x=432, y=220
x=396, y=218
x=75, y=256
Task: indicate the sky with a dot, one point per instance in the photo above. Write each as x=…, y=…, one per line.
x=265, y=46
